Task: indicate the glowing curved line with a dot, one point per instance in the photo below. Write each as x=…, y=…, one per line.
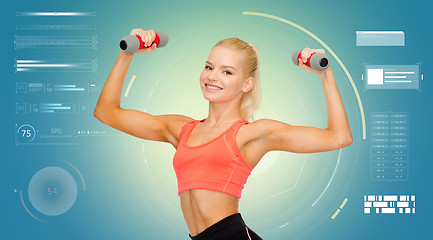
x=336, y=213
x=25, y=207
x=79, y=173
x=329, y=183
x=329, y=50
x=291, y=188
x=344, y=203
x=339, y=210
x=129, y=85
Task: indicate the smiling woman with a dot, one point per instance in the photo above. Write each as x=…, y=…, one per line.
x=215, y=156
x=238, y=60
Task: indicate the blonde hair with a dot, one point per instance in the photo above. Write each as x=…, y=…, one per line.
x=250, y=101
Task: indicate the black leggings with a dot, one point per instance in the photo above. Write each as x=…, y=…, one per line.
x=232, y=227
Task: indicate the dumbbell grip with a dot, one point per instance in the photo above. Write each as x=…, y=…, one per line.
x=308, y=59
x=157, y=41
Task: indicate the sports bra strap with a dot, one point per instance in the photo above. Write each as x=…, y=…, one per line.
x=232, y=133
x=187, y=129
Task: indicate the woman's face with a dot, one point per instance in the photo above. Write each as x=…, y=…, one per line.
x=222, y=78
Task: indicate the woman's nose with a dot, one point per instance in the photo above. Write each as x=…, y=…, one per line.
x=213, y=76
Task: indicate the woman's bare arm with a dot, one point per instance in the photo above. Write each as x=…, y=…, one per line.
x=305, y=139
x=111, y=92
x=163, y=128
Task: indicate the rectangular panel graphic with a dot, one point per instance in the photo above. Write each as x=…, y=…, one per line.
x=56, y=27
x=55, y=14
x=389, y=146
x=50, y=87
x=392, y=76
x=58, y=133
x=56, y=42
x=379, y=38
x=36, y=65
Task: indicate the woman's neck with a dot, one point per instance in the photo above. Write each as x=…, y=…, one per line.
x=223, y=113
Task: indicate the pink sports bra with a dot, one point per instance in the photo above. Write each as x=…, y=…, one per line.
x=216, y=165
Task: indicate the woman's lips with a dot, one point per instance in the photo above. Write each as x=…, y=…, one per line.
x=212, y=87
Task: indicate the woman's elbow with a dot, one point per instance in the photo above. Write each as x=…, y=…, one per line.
x=343, y=141
x=97, y=113
x=346, y=142
x=101, y=115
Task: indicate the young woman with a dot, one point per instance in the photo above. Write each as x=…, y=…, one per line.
x=214, y=156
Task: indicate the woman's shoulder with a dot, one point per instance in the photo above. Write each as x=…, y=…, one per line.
x=265, y=123
x=176, y=121
x=256, y=129
x=259, y=123
x=263, y=128
x=174, y=124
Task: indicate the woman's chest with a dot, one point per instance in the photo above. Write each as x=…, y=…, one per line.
x=218, y=141
x=202, y=135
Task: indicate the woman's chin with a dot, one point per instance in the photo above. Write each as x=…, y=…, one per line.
x=212, y=99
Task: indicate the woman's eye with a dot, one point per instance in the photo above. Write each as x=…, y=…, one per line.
x=209, y=68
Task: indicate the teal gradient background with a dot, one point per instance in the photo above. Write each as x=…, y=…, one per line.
x=131, y=188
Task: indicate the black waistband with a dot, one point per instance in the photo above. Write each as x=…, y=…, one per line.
x=223, y=226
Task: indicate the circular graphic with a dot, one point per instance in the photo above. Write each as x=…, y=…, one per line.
x=52, y=191
x=287, y=193
x=26, y=133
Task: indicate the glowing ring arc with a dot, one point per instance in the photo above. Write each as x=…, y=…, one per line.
x=361, y=109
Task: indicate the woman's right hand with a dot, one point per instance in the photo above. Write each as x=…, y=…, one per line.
x=147, y=37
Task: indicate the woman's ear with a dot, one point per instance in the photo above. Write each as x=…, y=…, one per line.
x=249, y=83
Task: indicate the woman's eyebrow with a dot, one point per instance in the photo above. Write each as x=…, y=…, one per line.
x=226, y=66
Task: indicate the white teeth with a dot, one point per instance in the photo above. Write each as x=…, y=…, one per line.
x=212, y=87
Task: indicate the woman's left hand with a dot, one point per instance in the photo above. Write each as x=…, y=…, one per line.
x=305, y=54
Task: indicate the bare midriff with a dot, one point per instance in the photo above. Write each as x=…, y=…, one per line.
x=202, y=208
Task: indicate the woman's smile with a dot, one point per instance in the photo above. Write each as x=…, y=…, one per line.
x=212, y=88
